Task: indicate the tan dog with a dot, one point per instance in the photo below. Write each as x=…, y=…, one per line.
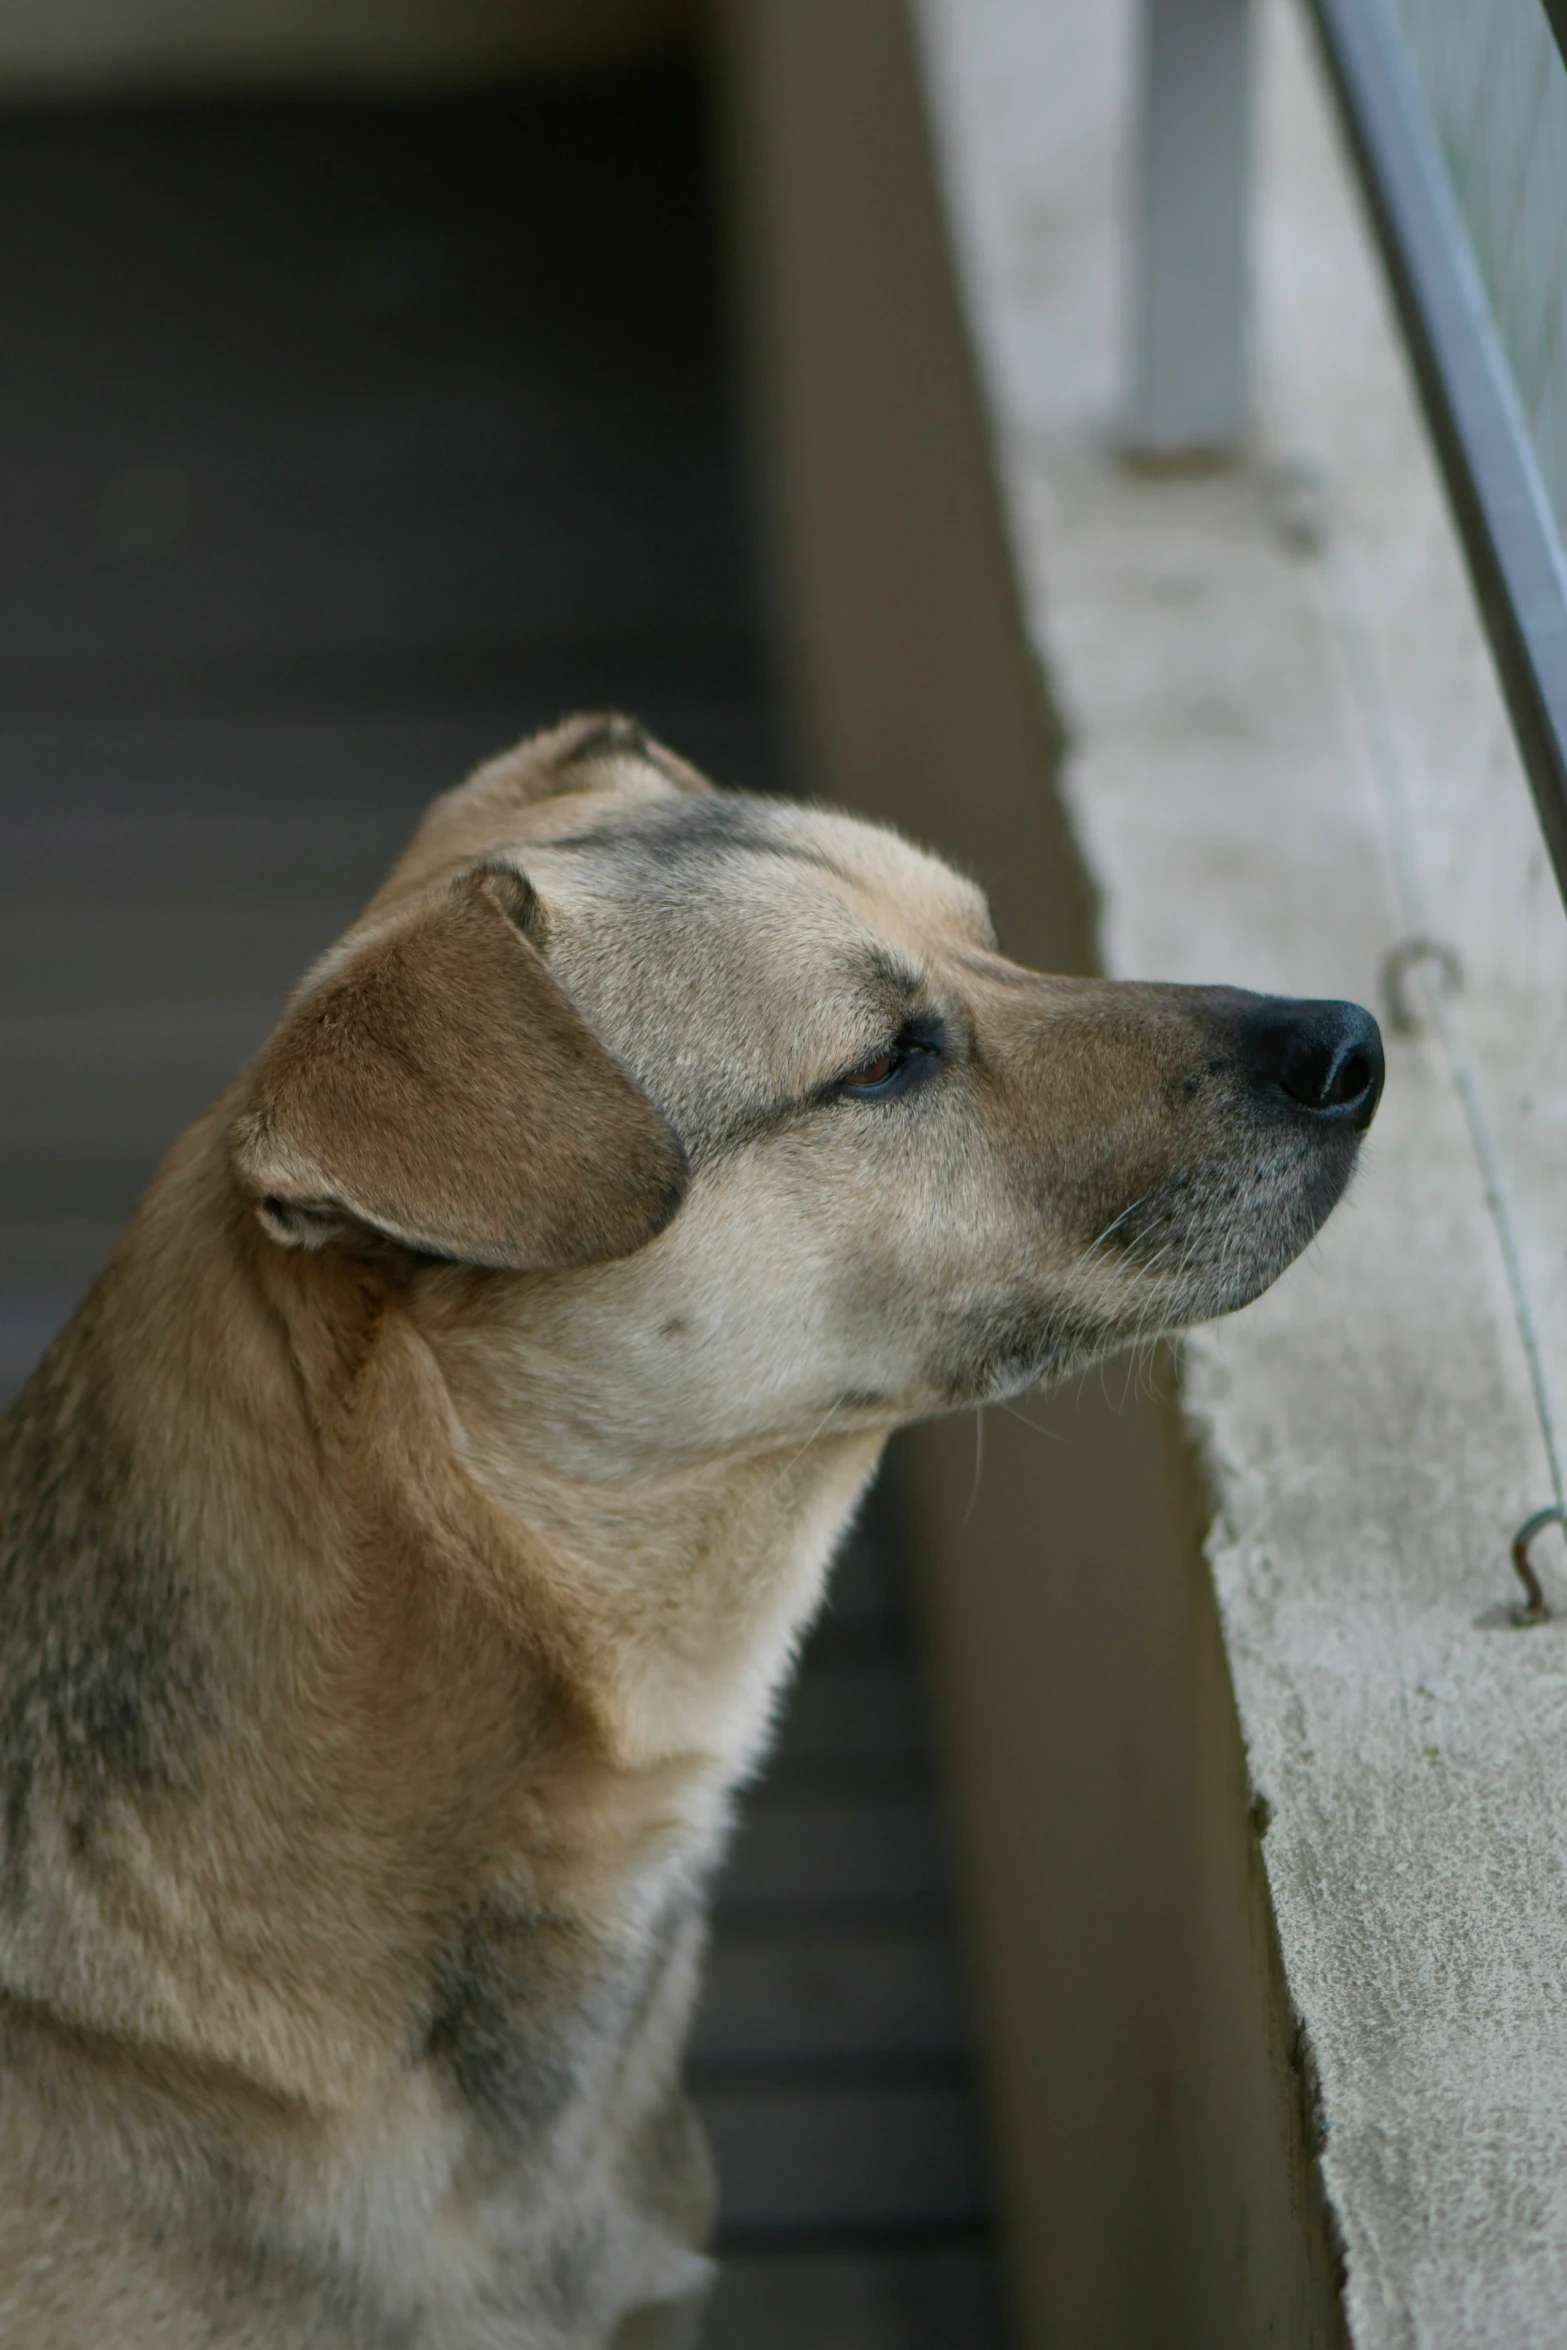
x=402, y=1549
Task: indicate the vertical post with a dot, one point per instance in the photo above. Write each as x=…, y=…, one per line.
x=1189, y=394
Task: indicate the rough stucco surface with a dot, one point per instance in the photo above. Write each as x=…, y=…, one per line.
x=1262, y=730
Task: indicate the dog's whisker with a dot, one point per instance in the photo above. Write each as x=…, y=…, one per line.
x=1116, y=1222
x=979, y=1461
x=1014, y=1411
x=815, y=1437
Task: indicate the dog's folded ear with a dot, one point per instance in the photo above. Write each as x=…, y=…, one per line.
x=437, y=1086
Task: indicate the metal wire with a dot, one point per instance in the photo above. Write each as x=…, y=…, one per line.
x=1423, y=955
x=1496, y=88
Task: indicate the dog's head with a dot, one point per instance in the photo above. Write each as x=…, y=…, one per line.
x=745, y=1121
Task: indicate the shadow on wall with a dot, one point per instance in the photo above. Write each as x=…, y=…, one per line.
x=75, y=48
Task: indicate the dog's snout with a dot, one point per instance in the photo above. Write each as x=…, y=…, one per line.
x=1324, y=1057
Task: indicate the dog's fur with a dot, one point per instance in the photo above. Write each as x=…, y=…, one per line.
x=401, y=1550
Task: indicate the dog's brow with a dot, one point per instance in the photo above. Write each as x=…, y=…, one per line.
x=886, y=993
x=897, y=986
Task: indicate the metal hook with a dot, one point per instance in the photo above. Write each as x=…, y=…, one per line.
x=1534, y=1609
x=1403, y=1016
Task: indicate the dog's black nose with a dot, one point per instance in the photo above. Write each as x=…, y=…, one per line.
x=1326, y=1058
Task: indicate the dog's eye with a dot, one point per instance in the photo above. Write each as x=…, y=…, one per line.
x=877, y=1073
x=911, y=1056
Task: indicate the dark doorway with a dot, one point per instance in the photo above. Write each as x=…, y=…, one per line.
x=340, y=444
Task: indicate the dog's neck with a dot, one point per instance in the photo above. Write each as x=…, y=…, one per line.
x=361, y=1778
x=682, y=1593
x=415, y=1673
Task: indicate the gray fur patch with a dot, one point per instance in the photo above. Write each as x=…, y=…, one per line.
x=527, y=2009
x=102, y=1685
x=508, y=2010
x=716, y=824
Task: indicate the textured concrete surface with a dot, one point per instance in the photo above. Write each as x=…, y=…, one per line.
x=1289, y=753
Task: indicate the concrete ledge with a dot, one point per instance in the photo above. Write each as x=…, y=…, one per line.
x=1289, y=753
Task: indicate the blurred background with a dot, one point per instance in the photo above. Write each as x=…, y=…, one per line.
x=368, y=397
